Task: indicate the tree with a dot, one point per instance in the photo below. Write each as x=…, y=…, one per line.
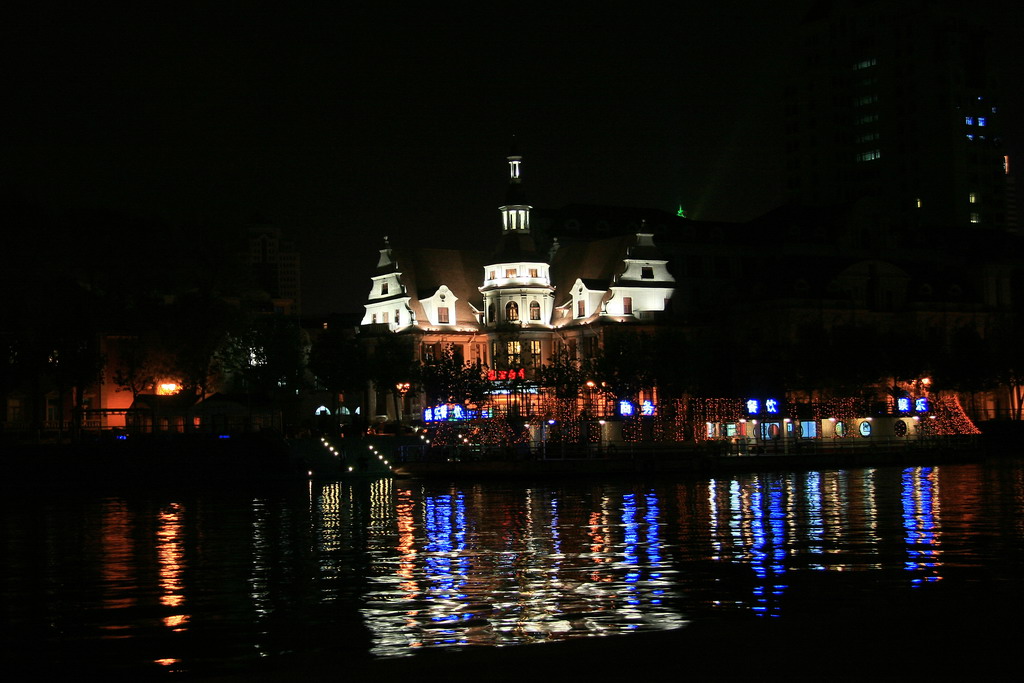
x=449, y=379
x=627, y=363
x=392, y=365
x=563, y=374
x=339, y=363
x=139, y=363
x=195, y=327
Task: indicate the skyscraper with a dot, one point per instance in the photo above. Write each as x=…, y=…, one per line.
x=894, y=108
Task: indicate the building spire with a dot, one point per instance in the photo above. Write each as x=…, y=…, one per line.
x=514, y=159
x=515, y=214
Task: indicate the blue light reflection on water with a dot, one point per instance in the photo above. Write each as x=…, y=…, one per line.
x=920, y=520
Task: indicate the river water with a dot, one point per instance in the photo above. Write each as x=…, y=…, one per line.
x=200, y=579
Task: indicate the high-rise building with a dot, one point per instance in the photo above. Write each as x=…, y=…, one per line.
x=273, y=263
x=894, y=107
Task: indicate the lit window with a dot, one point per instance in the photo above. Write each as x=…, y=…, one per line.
x=512, y=351
x=865, y=63
x=511, y=272
x=512, y=311
x=627, y=305
x=384, y=317
x=646, y=273
x=581, y=308
x=534, y=353
x=919, y=202
x=442, y=315
x=973, y=198
x=534, y=272
x=975, y=217
x=869, y=155
x=491, y=275
x=534, y=310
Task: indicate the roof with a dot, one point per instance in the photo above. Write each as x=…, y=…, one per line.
x=425, y=270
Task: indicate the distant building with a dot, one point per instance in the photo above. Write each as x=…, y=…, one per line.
x=896, y=106
x=274, y=266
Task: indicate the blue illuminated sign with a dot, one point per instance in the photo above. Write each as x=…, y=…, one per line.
x=921, y=405
x=442, y=413
x=903, y=404
x=626, y=409
x=771, y=406
x=647, y=409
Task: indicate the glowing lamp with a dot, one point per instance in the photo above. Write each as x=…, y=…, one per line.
x=167, y=388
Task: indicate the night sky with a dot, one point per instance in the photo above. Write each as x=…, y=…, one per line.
x=342, y=125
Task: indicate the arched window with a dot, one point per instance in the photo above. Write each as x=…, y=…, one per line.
x=534, y=310
x=512, y=311
x=492, y=313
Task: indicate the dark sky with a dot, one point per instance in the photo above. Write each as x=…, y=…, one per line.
x=343, y=125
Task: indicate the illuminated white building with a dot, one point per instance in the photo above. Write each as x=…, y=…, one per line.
x=514, y=308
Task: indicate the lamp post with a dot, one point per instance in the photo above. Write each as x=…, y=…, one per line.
x=403, y=389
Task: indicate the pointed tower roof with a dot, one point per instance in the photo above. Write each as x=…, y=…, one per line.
x=516, y=242
x=515, y=194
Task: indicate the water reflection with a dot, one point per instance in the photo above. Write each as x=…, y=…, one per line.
x=529, y=567
x=170, y=558
x=390, y=567
x=920, y=519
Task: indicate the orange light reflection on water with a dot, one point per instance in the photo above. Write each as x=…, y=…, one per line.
x=170, y=557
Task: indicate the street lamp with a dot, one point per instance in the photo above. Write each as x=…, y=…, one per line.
x=403, y=389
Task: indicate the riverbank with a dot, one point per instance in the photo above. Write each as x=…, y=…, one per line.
x=171, y=457
x=683, y=458
x=268, y=457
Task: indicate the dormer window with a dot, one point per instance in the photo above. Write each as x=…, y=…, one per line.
x=491, y=275
x=646, y=273
x=442, y=315
x=534, y=272
x=511, y=272
x=383, y=288
x=581, y=308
